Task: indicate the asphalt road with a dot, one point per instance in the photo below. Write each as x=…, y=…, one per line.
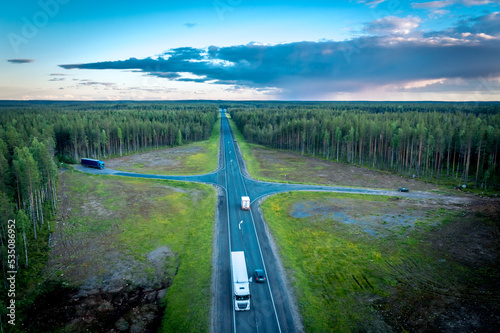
x=238, y=230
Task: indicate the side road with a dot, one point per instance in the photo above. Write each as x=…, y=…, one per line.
x=254, y=239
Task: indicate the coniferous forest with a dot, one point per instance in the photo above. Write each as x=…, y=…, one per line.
x=35, y=138
x=438, y=142
x=455, y=144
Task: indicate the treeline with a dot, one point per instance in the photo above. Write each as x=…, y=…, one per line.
x=86, y=131
x=28, y=180
x=433, y=142
x=33, y=138
x=370, y=107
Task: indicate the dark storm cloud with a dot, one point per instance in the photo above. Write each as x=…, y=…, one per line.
x=166, y=75
x=487, y=24
x=20, y=61
x=183, y=53
x=313, y=68
x=200, y=80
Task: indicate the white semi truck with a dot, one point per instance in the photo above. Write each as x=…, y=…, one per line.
x=245, y=203
x=241, y=288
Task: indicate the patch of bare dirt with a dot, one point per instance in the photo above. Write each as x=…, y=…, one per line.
x=297, y=168
x=411, y=310
x=126, y=309
x=469, y=300
x=373, y=218
x=470, y=242
x=162, y=161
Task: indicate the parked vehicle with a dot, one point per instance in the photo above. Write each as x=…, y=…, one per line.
x=91, y=163
x=403, y=189
x=241, y=289
x=259, y=276
x=245, y=203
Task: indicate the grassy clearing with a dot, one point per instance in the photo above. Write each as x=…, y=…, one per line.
x=255, y=166
x=344, y=272
x=252, y=164
x=117, y=221
x=281, y=166
x=204, y=162
x=191, y=159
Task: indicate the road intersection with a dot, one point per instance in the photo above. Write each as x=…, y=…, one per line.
x=272, y=306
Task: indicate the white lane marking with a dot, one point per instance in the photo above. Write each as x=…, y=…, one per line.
x=260, y=250
x=229, y=239
x=265, y=272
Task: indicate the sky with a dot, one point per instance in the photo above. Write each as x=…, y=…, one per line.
x=378, y=50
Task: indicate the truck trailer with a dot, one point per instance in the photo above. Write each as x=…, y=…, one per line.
x=245, y=203
x=91, y=163
x=241, y=288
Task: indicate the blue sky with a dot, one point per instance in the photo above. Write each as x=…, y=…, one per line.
x=243, y=50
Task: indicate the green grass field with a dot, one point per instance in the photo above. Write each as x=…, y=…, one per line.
x=204, y=162
x=253, y=165
x=245, y=148
x=190, y=159
x=275, y=165
x=342, y=272
x=137, y=216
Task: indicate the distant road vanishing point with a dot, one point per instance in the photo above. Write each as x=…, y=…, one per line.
x=273, y=307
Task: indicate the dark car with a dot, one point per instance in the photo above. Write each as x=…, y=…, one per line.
x=259, y=275
x=403, y=189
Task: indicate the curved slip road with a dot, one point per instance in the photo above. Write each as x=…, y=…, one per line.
x=272, y=308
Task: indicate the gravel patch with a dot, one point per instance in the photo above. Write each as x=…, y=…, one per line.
x=390, y=217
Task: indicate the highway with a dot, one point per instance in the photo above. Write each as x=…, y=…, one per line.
x=237, y=230
x=263, y=315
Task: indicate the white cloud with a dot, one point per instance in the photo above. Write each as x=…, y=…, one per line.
x=371, y=3
x=478, y=2
x=446, y=3
x=433, y=4
x=393, y=25
x=396, y=56
x=422, y=83
x=439, y=12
